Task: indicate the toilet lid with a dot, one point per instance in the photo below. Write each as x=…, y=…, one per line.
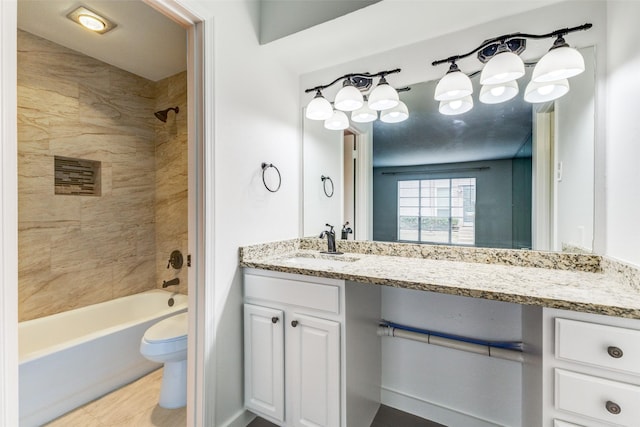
x=170, y=329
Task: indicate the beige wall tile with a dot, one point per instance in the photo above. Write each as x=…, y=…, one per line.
x=80, y=250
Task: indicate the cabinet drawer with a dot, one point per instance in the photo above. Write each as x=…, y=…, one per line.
x=604, y=346
x=323, y=297
x=560, y=423
x=605, y=400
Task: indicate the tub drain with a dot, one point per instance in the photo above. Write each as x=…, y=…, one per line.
x=171, y=302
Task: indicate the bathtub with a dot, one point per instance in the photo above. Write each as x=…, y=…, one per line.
x=68, y=359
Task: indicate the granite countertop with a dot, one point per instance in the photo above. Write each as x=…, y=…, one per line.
x=567, y=281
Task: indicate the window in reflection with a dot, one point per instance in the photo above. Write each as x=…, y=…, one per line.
x=437, y=211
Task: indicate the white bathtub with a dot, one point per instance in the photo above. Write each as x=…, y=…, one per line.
x=70, y=358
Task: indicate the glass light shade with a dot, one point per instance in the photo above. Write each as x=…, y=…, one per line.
x=495, y=94
x=547, y=91
x=397, y=114
x=364, y=114
x=338, y=121
x=453, y=85
x=319, y=108
x=456, y=106
x=559, y=63
x=349, y=98
x=91, y=22
x=502, y=68
x=383, y=97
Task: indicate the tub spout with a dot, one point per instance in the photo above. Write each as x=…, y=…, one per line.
x=171, y=282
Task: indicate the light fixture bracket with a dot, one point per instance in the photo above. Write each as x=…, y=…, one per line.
x=517, y=46
x=362, y=81
x=494, y=43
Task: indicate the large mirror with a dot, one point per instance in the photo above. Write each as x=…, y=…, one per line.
x=511, y=175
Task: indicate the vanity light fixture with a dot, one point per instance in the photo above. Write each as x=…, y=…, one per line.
x=348, y=98
x=544, y=92
x=504, y=66
x=561, y=62
x=355, y=97
x=501, y=92
x=364, y=114
x=397, y=114
x=453, y=107
x=319, y=108
x=91, y=20
x=337, y=121
x=383, y=96
x=454, y=85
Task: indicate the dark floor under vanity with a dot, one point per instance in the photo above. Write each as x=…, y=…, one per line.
x=386, y=417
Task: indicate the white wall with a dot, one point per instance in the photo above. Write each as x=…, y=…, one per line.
x=256, y=119
x=323, y=155
x=623, y=128
x=574, y=136
x=452, y=387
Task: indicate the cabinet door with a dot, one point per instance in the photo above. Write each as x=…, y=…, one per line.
x=313, y=348
x=264, y=361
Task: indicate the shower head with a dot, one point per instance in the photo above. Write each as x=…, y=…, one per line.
x=162, y=115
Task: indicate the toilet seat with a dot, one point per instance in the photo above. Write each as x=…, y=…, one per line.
x=170, y=329
x=166, y=340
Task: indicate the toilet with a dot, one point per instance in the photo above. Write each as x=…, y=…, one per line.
x=166, y=342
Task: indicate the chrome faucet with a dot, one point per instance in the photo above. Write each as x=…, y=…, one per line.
x=331, y=239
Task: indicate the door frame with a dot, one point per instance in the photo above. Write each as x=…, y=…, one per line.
x=201, y=363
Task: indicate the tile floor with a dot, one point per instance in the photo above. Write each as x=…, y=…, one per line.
x=386, y=417
x=134, y=405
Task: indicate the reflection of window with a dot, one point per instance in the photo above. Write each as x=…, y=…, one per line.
x=437, y=210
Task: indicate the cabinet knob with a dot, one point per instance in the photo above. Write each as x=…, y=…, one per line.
x=615, y=352
x=294, y=323
x=613, y=408
x=274, y=319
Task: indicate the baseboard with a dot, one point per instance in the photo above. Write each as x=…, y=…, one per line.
x=431, y=411
x=241, y=419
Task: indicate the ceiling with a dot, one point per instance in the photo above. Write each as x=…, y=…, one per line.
x=276, y=22
x=387, y=25
x=322, y=33
x=487, y=132
x=144, y=42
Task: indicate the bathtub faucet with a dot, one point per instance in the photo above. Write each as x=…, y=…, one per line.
x=171, y=282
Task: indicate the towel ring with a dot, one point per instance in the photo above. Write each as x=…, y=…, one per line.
x=266, y=166
x=327, y=192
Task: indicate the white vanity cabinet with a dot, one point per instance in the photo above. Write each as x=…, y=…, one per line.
x=591, y=370
x=312, y=357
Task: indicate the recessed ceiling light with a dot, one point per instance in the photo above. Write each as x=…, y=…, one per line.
x=91, y=20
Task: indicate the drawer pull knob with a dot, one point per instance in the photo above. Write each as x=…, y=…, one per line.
x=613, y=408
x=274, y=319
x=294, y=323
x=615, y=352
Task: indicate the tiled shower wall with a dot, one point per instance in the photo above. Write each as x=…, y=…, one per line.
x=80, y=250
x=171, y=179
